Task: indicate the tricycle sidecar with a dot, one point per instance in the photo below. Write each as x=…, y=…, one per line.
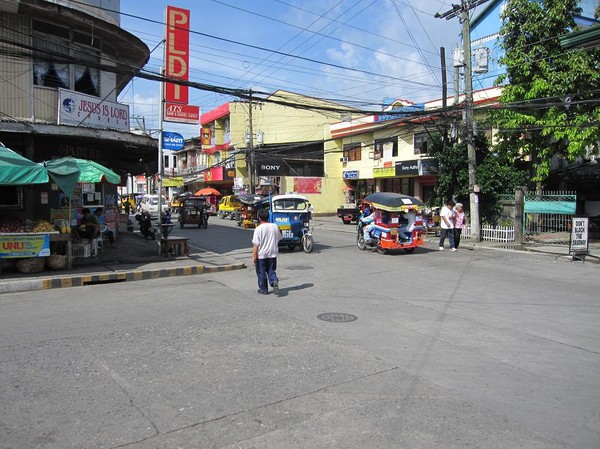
x=193, y=210
x=290, y=213
x=395, y=223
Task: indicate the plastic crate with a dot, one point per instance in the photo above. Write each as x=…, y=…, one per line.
x=82, y=250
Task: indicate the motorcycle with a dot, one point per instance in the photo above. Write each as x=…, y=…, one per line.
x=146, y=228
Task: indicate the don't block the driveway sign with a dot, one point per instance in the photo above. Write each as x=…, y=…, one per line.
x=579, y=241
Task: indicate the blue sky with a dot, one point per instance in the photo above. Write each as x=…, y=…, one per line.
x=349, y=51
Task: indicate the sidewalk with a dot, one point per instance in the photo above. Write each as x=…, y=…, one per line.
x=130, y=259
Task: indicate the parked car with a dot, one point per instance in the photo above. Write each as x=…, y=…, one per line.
x=149, y=204
x=228, y=206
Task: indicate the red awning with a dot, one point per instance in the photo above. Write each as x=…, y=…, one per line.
x=215, y=114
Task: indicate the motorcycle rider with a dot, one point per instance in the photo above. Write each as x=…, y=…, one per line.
x=368, y=221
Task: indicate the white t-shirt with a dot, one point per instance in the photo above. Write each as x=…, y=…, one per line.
x=449, y=214
x=266, y=236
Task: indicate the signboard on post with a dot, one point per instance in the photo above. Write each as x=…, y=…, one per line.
x=182, y=113
x=177, y=53
x=579, y=239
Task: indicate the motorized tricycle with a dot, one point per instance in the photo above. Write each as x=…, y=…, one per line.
x=247, y=214
x=395, y=223
x=291, y=215
x=193, y=210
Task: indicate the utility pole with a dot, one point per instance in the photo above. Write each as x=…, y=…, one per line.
x=463, y=9
x=250, y=139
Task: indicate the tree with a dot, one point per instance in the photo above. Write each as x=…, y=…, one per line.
x=551, y=95
x=497, y=174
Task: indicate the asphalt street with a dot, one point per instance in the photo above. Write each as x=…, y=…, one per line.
x=481, y=348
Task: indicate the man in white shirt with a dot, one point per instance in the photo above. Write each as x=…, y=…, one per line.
x=265, y=248
x=447, y=225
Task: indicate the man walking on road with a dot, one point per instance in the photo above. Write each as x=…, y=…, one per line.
x=447, y=225
x=265, y=247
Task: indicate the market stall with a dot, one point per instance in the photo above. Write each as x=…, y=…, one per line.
x=70, y=185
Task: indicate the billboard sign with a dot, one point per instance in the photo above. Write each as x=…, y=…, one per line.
x=172, y=141
x=177, y=53
x=76, y=109
x=182, y=113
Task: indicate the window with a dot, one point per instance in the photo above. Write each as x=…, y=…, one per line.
x=353, y=151
x=52, y=44
x=422, y=142
x=385, y=148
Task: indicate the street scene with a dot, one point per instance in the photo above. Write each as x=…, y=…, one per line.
x=283, y=224
x=483, y=347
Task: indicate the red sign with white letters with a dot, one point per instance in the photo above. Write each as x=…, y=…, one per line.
x=177, y=53
x=182, y=113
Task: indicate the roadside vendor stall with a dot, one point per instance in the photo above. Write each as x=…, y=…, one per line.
x=32, y=241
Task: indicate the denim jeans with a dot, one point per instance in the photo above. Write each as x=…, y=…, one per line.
x=265, y=270
x=450, y=234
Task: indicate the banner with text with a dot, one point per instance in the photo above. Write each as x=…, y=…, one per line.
x=78, y=109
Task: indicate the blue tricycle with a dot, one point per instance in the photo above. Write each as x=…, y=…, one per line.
x=290, y=213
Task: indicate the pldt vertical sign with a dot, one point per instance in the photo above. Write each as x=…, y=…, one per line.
x=177, y=53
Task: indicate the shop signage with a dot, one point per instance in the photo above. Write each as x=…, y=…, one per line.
x=270, y=167
x=177, y=53
x=428, y=167
x=24, y=245
x=308, y=185
x=407, y=168
x=76, y=109
x=213, y=174
x=350, y=174
x=385, y=172
x=172, y=141
x=182, y=113
x=399, y=112
x=578, y=242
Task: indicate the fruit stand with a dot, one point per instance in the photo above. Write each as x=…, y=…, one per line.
x=30, y=245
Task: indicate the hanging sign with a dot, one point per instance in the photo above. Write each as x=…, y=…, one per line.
x=182, y=113
x=177, y=53
x=172, y=141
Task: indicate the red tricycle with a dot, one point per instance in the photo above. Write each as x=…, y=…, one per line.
x=390, y=221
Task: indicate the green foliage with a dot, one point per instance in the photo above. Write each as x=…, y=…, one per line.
x=551, y=95
x=496, y=174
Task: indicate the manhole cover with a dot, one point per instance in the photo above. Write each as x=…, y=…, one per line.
x=336, y=317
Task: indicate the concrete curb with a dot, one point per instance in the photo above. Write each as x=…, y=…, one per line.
x=106, y=278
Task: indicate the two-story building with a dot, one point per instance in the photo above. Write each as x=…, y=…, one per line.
x=63, y=66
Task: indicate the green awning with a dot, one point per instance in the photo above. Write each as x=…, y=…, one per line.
x=18, y=170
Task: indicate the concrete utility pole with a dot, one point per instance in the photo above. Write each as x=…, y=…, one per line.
x=250, y=139
x=463, y=9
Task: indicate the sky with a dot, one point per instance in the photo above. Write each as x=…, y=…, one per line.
x=355, y=52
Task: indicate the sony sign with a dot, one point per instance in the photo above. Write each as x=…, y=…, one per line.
x=273, y=167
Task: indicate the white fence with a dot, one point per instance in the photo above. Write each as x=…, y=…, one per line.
x=492, y=233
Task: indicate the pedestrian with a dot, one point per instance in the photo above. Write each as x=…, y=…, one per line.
x=459, y=223
x=447, y=225
x=99, y=213
x=265, y=247
x=311, y=211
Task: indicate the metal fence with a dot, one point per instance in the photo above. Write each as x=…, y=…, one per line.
x=547, y=217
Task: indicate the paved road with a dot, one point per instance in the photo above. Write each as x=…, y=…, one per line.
x=485, y=349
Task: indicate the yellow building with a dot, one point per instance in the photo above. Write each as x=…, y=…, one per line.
x=273, y=144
